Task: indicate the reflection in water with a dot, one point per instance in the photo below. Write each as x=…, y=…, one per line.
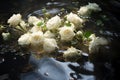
x=53, y=11
x=51, y=7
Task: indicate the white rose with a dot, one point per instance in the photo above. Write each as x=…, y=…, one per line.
x=24, y=39
x=84, y=11
x=66, y=33
x=95, y=43
x=72, y=54
x=37, y=39
x=49, y=45
x=75, y=19
x=94, y=7
x=33, y=19
x=49, y=34
x=15, y=19
x=53, y=23
x=71, y=51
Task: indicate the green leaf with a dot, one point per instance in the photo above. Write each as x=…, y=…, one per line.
x=40, y=23
x=87, y=34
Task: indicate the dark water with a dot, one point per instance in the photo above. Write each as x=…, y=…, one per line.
x=51, y=69
x=99, y=66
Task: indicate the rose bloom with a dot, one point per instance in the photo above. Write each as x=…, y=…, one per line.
x=84, y=11
x=72, y=54
x=94, y=7
x=15, y=19
x=53, y=23
x=88, y=9
x=95, y=43
x=24, y=39
x=75, y=19
x=66, y=33
x=49, y=45
x=37, y=38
